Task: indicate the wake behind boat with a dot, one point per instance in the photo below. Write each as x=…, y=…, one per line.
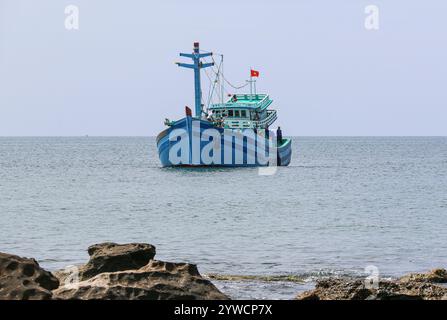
x=231, y=133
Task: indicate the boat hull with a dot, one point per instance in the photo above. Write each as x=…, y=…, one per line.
x=194, y=142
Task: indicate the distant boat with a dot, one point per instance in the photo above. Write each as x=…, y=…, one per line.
x=232, y=133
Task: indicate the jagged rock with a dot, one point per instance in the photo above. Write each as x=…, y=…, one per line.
x=112, y=257
x=434, y=276
x=114, y=271
x=157, y=280
x=23, y=279
x=411, y=287
x=128, y=272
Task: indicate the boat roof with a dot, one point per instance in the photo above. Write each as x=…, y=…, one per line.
x=259, y=102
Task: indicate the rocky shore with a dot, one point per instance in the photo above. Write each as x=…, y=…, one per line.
x=130, y=272
x=124, y=272
x=418, y=286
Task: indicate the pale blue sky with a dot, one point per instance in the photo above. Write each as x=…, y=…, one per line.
x=327, y=74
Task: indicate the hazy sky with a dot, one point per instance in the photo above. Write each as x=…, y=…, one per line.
x=327, y=74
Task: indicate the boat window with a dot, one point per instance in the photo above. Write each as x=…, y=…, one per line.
x=230, y=113
x=243, y=114
x=236, y=113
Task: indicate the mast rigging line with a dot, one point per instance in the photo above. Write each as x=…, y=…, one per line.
x=227, y=81
x=211, y=88
x=223, y=76
x=217, y=80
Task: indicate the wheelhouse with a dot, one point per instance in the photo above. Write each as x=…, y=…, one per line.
x=243, y=111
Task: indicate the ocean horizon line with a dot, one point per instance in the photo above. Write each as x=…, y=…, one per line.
x=154, y=136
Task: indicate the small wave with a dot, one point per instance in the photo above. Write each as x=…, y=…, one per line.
x=295, y=278
x=55, y=260
x=264, y=278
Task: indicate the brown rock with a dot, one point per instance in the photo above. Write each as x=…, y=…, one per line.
x=155, y=281
x=434, y=276
x=337, y=289
x=411, y=287
x=112, y=257
x=24, y=279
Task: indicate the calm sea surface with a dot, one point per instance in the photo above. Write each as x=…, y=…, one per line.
x=343, y=204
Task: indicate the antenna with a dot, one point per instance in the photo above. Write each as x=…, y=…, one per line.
x=222, y=82
x=252, y=82
x=196, y=65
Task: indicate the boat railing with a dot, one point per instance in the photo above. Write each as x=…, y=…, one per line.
x=261, y=104
x=268, y=120
x=264, y=102
x=246, y=123
x=252, y=96
x=231, y=105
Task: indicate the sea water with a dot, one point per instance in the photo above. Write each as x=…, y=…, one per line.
x=344, y=204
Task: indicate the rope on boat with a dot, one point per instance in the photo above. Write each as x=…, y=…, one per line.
x=211, y=88
x=218, y=74
x=227, y=81
x=223, y=77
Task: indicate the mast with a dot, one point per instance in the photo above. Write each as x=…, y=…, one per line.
x=222, y=80
x=252, y=83
x=196, y=65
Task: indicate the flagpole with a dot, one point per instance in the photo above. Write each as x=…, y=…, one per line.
x=251, y=85
x=222, y=80
x=254, y=84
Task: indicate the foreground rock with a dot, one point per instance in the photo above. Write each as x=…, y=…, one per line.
x=434, y=276
x=128, y=272
x=111, y=257
x=423, y=286
x=114, y=271
x=24, y=279
x=156, y=281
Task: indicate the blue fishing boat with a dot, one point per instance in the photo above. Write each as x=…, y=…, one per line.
x=234, y=132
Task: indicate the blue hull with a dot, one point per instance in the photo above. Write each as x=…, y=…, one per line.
x=183, y=144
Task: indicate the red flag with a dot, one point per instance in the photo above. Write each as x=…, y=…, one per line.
x=254, y=73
